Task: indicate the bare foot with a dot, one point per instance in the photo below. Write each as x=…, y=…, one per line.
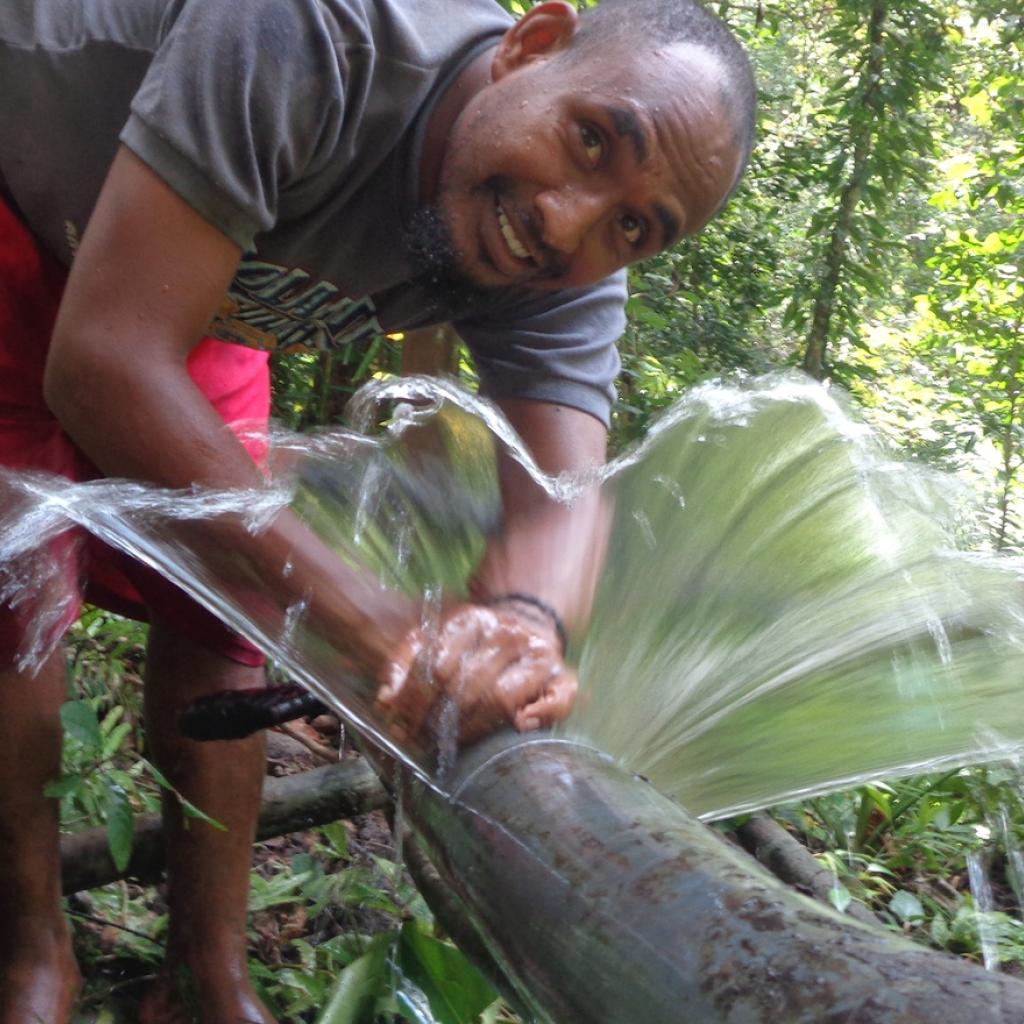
x=179, y=996
x=38, y=987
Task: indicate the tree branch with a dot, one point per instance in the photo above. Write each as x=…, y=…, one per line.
x=290, y=804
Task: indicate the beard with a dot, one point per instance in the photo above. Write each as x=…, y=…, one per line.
x=431, y=250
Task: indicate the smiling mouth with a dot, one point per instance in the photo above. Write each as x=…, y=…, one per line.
x=534, y=262
x=515, y=246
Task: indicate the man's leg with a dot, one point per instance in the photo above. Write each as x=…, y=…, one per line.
x=38, y=975
x=206, y=977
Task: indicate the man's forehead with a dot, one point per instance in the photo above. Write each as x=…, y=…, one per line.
x=637, y=89
x=634, y=61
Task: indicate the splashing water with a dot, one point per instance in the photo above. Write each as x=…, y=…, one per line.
x=784, y=612
x=984, y=903
x=783, y=609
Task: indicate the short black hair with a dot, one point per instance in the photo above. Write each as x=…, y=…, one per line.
x=670, y=22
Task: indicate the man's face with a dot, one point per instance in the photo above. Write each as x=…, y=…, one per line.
x=561, y=171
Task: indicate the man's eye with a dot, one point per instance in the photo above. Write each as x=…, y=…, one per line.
x=592, y=143
x=632, y=229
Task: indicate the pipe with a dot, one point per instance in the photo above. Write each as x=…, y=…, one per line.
x=603, y=902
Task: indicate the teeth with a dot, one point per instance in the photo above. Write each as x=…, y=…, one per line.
x=511, y=240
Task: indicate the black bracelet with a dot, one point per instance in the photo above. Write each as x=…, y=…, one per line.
x=541, y=606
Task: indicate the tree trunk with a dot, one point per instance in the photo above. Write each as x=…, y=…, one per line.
x=861, y=136
x=604, y=902
x=430, y=352
x=1009, y=448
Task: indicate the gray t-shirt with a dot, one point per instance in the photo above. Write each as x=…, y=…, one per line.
x=294, y=127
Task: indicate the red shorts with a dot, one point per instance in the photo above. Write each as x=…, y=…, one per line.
x=236, y=381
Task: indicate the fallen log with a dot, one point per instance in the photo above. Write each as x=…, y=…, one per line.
x=290, y=804
x=604, y=902
x=791, y=862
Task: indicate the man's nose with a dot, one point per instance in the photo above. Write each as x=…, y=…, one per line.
x=567, y=214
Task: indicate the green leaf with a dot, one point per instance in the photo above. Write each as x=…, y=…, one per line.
x=336, y=835
x=279, y=889
x=979, y=107
x=457, y=992
x=362, y=985
x=115, y=738
x=368, y=358
x=188, y=808
x=112, y=717
x=64, y=786
x=120, y=824
x=159, y=777
x=840, y=898
x=79, y=721
x=907, y=907
x=492, y=1014
x=307, y=864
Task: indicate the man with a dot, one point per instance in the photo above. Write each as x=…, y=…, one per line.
x=313, y=171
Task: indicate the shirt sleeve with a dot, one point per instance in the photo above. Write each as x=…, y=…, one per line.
x=554, y=347
x=237, y=105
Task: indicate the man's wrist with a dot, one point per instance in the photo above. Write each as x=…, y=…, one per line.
x=537, y=609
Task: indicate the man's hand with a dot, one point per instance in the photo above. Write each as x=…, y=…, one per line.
x=501, y=661
x=485, y=667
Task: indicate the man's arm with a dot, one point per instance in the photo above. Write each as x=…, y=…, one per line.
x=145, y=284
x=146, y=281
x=547, y=549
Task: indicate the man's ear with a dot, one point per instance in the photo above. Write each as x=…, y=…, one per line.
x=542, y=31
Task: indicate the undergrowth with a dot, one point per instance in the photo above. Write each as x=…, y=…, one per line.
x=338, y=934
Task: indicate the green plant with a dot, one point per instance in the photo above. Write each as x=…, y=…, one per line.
x=913, y=848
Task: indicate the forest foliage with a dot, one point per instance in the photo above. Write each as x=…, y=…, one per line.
x=877, y=243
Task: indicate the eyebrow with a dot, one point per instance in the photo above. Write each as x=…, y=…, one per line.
x=628, y=125
x=671, y=229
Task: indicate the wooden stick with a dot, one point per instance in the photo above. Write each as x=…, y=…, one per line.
x=290, y=804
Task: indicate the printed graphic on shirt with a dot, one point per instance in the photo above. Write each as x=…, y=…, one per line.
x=72, y=236
x=284, y=309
